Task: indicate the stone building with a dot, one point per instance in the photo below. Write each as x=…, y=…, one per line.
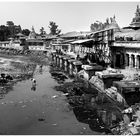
x=103, y=40
x=126, y=48
x=34, y=42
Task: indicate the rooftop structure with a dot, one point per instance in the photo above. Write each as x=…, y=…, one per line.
x=135, y=24
x=32, y=34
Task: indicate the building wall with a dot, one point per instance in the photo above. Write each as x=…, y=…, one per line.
x=11, y=45
x=38, y=48
x=131, y=52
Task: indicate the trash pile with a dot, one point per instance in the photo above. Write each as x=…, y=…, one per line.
x=131, y=121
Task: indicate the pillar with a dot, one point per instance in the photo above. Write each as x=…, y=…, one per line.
x=57, y=60
x=55, y=57
x=130, y=60
x=65, y=64
x=70, y=68
x=61, y=63
x=138, y=63
x=135, y=61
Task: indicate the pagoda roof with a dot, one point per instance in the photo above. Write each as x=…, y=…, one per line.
x=136, y=20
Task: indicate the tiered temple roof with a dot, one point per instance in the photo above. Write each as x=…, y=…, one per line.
x=32, y=34
x=135, y=24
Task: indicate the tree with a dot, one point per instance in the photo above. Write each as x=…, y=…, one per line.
x=54, y=28
x=26, y=32
x=10, y=23
x=4, y=33
x=42, y=32
x=99, y=25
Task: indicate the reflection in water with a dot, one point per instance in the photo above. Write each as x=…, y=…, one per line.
x=33, y=88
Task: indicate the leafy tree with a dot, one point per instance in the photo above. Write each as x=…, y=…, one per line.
x=10, y=23
x=4, y=33
x=99, y=25
x=54, y=28
x=42, y=31
x=26, y=32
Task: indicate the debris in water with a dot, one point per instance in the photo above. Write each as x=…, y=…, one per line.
x=84, y=128
x=20, y=102
x=54, y=96
x=23, y=106
x=81, y=132
x=41, y=119
x=89, y=119
x=54, y=124
x=65, y=94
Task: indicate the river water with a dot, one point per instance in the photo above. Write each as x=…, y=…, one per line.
x=43, y=110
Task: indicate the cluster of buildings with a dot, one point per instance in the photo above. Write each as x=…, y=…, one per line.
x=115, y=46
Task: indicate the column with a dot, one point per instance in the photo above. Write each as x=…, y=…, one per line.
x=135, y=61
x=126, y=57
x=61, y=62
x=130, y=61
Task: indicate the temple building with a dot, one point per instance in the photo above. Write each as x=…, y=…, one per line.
x=34, y=42
x=126, y=47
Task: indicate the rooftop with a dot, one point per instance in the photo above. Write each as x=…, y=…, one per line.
x=75, y=34
x=135, y=34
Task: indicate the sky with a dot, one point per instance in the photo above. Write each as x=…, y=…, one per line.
x=69, y=16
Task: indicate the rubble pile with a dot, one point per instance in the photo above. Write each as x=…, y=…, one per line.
x=131, y=121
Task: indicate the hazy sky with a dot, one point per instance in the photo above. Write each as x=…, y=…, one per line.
x=70, y=16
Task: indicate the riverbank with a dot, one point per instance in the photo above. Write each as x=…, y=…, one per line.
x=41, y=111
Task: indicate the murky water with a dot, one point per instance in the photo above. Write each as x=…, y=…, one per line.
x=41, y=109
